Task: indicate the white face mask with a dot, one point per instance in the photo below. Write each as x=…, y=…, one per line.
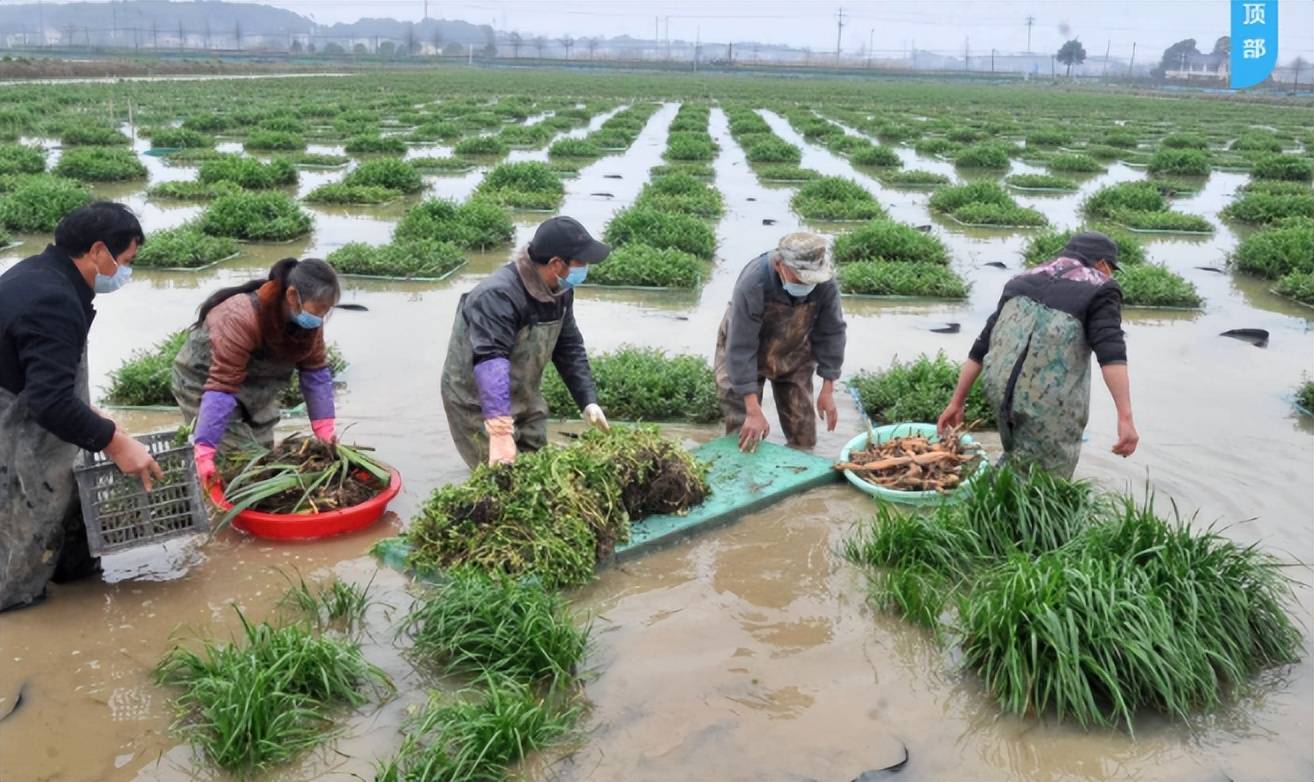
x=110, y=283
x=798, y=289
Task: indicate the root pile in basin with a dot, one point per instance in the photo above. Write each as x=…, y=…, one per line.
x=302, y=475
x=914, y=463
x=554, y=513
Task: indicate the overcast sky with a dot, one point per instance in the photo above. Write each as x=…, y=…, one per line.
x=895, y=26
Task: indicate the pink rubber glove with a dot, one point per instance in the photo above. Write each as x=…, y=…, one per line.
x=323, y=429
x=205, y=469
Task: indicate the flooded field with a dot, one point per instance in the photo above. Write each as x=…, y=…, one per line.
x=748, y=652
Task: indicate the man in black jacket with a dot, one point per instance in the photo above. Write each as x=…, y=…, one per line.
x=45, y=418
x=1035, y=354
x=507, y=330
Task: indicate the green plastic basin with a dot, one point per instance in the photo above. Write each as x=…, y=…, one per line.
x=889, y=432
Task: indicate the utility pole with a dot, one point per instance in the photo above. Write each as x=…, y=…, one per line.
x=426, y=10
x=1131, y=67
x=1030, y=21
x=656, y=36
x=1107, y=47
x=839, y=30
x=870, y=35
x=967, y=53
x=992, y=60
x=667, y=21
x=698, y=45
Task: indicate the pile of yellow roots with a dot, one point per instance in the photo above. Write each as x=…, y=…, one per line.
x=914, y=463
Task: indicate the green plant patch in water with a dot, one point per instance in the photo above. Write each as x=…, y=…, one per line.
x=21, y=159
x=1180, y=162
x=1075, y=163
x=834, y=198
x=317, y=160
x=84, y=135
x=574, y=148
x=642, y=265
x=258, y=216
x=681, y=193
x=374, y=144
x=881, y=278
x=248, y=172
x=772, y=149
x=1000, y=215
x=913, y=178
x=987, y=156
x=1305, y=394
x=184, y=247
x=698, y=170
x=1278, y=250
x=36, y=203
x=1154, y=285
x=524, y=185
x=178, y=138
x=1162, y=221
x=425, y=259
x=782, y=172
x=389, y=173
x=643, y=384
x=1260, y=208
x=100, y=164
x=481, y=146
x=1290, y=168
x=342, y=193
x=1297, y=286
x=189, y=190
x=143, y=379
x=886, y=240
x=917, y=391
x=874, y=156
x=554, y=513
x=263, y=140
x=449, y=165
x=476, y=224
x=663, y=230
x=1041, y=182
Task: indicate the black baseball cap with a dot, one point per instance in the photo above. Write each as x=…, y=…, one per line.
x=565, y=237
x=1091, y=246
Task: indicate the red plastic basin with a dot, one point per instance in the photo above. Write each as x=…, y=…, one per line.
x=310, y=526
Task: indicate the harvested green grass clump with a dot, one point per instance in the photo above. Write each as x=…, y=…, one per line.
x=1297, y=286
x=20, y=159
x=886, y=240
x=662, y=230
x=989, y=156
x=184, y=247
x=1180, y=162
x=922, y=280
x=525, y=185
x=917, y=391
x=187, y=190
x=473, y=623
x=772, y=149
x=1041, y=182
x=1288, y=168
x=251, y=706
x=785, y=172
x=389, y=173
x=876, y=157
x=913, y=178
x=481, y=146
x=342, y=193
x=178, y=138
x=1153, y=285
x=479, y=734
x=1277, y=251
x=1048, y=245
x=36, y=203
x=374, y=144
x=262, y=140
x=143, y=379
x=643, y=384
x=1141, y=205
x=256, y=217
x=100, y=164
x=474, y=225
x=431, y=259
x=248, y=172
x=1259, y=208
x=642, y=265
x=683, y=194
x=1075, y=163
x=834, y=198
x=1136, y=612
x=82, y=135
x=554, y=513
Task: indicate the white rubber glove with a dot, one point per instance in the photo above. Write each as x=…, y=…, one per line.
x=595, y=417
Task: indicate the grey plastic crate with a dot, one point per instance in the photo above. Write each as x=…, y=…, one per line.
x=121, y=515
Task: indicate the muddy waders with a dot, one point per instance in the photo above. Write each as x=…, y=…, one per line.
x=784, y=356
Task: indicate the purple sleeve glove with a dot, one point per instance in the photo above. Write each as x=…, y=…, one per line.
x=493, y=377
x=212, y=417
x=317, y=388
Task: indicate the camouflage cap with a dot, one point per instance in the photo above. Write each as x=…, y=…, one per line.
x=808, y=255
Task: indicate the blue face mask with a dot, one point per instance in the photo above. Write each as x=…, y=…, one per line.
x=111, y=283
x=576, y=276
x=307, y=321
x=797, y=289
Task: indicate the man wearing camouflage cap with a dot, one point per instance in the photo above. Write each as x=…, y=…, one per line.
x=784, y=323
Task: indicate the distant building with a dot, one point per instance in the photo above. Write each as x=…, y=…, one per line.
x=1200, y=67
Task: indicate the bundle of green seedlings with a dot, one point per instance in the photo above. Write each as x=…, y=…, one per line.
x=984, y=203
x=885, y=258
x=476, y=224
x=523, y=185
x=917, y=391
x=248, y=172
x=1143, y=284
x=301, y=475
x=402, y=259
x=255, y=703
x=184, y=247
x=553, y=514
x=35, y=203
x=643, y=384
x=835, y=199
x=1141, y=206
x=1084, y=603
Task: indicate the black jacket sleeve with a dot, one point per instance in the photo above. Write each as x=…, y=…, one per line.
x=828, y=333
x=492, y=323
x=572, y=361
x=50, y=340
x=1104, y=326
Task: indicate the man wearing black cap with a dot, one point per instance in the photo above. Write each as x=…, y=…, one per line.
x=506, y=331
x=1035, y=354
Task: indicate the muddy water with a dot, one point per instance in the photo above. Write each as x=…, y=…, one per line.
x=748, y=652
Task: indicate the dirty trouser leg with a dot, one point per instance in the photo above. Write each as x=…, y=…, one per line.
x=531, y=432
x=732, y=405
x=75, y=560
x=793, y=394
